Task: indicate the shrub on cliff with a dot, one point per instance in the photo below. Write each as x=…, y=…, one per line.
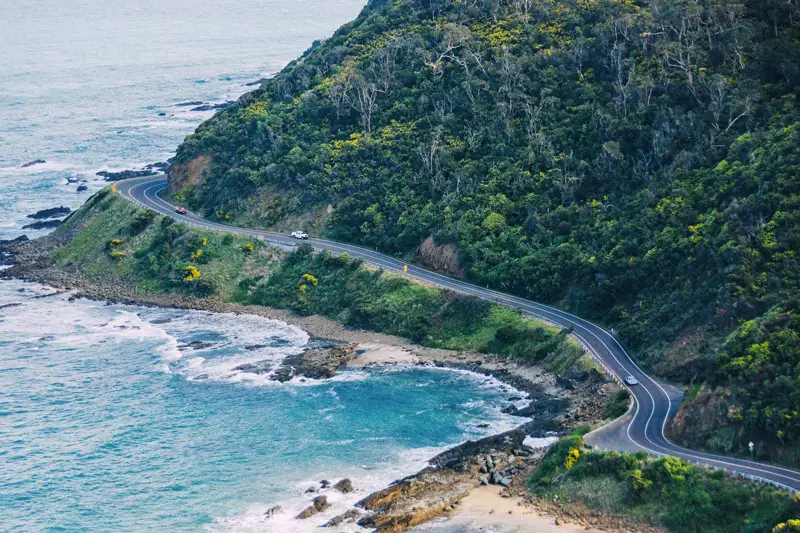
x=666, y=492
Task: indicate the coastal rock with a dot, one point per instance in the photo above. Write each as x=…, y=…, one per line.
x=259, y=367
x=82, y=188
x=272, y=511
x=196, y=345
x=44, y=224
x=213, y=107
x=31, y=163
x=319, y=504
x=254, y=83
x=9, y=249
x=344, y=486
x=188, y=104
x=125, y=174
x=348, y=516
x=315, y=363
x=159, y=166
x=52, y=212
x=324, y=483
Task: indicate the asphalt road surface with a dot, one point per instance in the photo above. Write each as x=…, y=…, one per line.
x=645, y=430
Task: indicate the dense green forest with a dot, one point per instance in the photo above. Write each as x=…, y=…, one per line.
x=636, y=162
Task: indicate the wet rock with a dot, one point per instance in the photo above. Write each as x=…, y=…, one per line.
x=10, y=248
x=349, y=516
x=44, y=224
x=188, y=104
x=159, y=166
x=311, y=490
x=213, y=107
x=319, y=504
x=344, y=486
x=259, y=367
x=254, y=347
x=324, y=483
x=272, y=511
x=82, y=188
x=13, y=304
x=31, y=163
x=125, y=174
x=254, y=83
x=52, y=212
x=196, y=345
x=162, y=114
x=315, y=363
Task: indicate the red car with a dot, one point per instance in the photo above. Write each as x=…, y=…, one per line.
x=181, y=211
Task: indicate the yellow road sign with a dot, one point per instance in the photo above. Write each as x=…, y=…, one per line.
x=405, y=268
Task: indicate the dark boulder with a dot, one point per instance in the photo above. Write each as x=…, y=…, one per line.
x=319, y=504
x=8, y=249
x=31, y=163
x=82, y=188
x=344, y=486
x=315, y=363
x=52, y=212
x=44, y=224
x=259, y=367
x=272, y=511
x=349, y=516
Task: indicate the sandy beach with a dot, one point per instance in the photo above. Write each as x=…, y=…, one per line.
x=485, y=510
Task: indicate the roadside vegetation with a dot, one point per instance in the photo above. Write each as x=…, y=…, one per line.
x=347, y=291
x=633, y=161
x=111, y=239
x=663, y=492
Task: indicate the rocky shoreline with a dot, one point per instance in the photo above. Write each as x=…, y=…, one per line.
x=556, y=403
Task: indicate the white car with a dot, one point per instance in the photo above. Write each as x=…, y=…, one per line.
x=630, y=380
x=299, y=235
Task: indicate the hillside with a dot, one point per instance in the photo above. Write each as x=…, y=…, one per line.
x=634, y=162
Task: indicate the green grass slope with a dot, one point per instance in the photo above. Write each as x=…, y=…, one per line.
x=113, y=240
x=664, y=492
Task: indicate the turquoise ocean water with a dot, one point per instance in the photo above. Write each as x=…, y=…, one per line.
x=124, y=418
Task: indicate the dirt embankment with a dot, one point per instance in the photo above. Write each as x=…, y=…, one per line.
x=441, y=257
x=706, y=413
x=187, y=174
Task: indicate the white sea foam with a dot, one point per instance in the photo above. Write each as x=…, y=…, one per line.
x=365, y=480
x=540, y=442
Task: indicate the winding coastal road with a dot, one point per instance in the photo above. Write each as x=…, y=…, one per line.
x=645, y=429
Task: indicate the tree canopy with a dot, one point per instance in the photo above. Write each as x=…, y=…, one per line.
x=633, y=161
